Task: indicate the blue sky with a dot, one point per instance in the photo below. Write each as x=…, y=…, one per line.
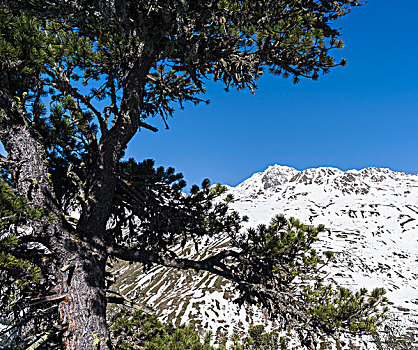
x=364, y=114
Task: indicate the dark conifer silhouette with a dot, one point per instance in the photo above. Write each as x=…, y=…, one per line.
x=77, y=81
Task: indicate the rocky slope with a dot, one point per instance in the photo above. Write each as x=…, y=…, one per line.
x=372, y=221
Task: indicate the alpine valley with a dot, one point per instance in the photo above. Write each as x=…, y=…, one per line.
x=371, y=216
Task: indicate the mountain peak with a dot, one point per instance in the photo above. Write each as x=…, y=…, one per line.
x=352, y=181
x=273, y=176
x=371, y=216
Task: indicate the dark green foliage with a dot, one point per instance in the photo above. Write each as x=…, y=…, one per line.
x=14, y=210
x=281, y=251
x=186, y=43
x=153, y=212
x=16, y=274
x=182, y=338
x=281, y=269
x=76, y=84
x=22, y=53
x=135, y=328
x=138, y=330
x=23, y=316
x=340, y=308
x=258, y=339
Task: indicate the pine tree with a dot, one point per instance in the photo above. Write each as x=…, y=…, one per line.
x=24, y=313
x=59, y=64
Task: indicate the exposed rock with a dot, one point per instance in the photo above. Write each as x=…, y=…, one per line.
x=372, y=218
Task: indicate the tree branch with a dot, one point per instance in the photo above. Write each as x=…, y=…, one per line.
x=278, y=302
x=63, y=84
x=212, y=264
x=111, y=148
x=147, y=126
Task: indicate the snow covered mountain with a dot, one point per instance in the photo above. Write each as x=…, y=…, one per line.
x=372, y=220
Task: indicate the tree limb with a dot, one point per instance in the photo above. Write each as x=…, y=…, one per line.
x=147, y=126
x=212, y=264
x=63, y=84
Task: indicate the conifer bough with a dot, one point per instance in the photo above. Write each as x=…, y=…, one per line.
x=78, y=79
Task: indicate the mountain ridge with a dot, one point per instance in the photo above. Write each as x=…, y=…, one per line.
x=372, y=219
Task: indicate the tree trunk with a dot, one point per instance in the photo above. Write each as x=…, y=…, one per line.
x=79, y=267
x=84, y=311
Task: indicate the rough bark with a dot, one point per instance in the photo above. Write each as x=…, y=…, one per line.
x=213, y=264
x=79, y=273
x=111, y=147
x=79, y=254
x=84, y=310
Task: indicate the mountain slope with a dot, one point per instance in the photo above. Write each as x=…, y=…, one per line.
x=372, y=221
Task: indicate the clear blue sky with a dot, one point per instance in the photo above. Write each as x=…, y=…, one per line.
x=364, y=114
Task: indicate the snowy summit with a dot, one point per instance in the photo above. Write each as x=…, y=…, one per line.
x=371, y=216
